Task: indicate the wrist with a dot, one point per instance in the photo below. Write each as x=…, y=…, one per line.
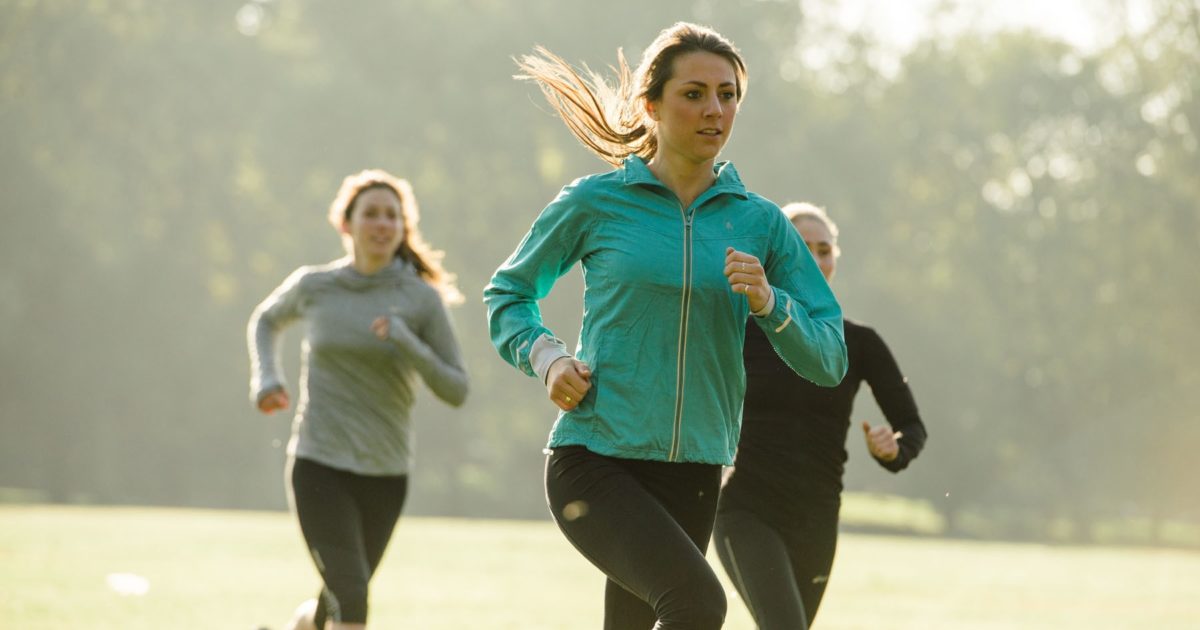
x=769, y=306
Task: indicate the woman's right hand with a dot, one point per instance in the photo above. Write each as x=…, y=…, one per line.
x=275, y=401
x=568, y=382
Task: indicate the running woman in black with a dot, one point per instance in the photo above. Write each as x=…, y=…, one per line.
x=375, y=323
x=777, y=518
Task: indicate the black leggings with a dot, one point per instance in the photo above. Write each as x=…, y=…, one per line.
x=347, y=520
x=779, y=571
x=646, y=525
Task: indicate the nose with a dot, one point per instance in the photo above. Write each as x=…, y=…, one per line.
x=712, y=107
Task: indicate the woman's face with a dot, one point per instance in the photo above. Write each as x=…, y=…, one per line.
x=375, y=224
x=820, y=242
x=699, y=102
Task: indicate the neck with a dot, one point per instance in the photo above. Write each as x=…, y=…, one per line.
x=370, y=265
x=685, y=178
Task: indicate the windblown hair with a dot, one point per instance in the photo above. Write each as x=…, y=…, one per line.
x=413, y=248
x=611, y=120
x=799, y=210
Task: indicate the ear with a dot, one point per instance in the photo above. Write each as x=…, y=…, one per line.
x=651, y=110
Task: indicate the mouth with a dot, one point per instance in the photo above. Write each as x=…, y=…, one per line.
x=710, y=132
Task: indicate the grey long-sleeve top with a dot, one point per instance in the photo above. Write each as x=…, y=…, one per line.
x=356, y=390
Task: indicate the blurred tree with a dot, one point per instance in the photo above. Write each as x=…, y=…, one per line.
x=1020, y=220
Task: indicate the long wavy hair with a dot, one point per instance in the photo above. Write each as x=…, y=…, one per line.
x=609, y=120
x=413, y=248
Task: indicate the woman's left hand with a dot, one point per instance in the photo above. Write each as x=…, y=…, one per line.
x=746, y=275
x=882, y=442
x=381, y=326
x=386, y=327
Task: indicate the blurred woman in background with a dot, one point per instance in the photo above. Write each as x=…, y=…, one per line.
x=375, y=322
x=776, y=528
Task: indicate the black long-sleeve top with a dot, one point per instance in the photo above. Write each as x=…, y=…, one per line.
x=793, y=442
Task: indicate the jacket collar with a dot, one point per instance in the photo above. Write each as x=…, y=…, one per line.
x=728, y=181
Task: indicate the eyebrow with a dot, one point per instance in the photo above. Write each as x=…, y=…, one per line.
x=703, y=84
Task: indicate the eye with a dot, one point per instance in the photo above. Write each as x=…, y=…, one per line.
x=729, y=96
x=692, y=94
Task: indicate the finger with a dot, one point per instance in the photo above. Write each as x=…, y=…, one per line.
x=736, y=256
x=866, y=428
x=568, y=394
x=583, y=369
x=565, y=402
x=574, y=382
x=741, y=270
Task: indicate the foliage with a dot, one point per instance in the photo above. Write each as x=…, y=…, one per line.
x=1021, y=221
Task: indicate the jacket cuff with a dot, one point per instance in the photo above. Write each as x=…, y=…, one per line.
x=780, y=315
x=545, y=351
x=766, y=310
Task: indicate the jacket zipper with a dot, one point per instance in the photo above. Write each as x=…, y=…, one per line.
x=681, y=357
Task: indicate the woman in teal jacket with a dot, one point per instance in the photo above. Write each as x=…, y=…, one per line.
x=676, y=255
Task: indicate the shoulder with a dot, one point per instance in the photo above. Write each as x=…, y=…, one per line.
x=762, y=209
x=311, y=277
x=762, y=204
x=592, y=197
x=596, y=184
x=420, y=290
x=591, y=191
x=862, y=335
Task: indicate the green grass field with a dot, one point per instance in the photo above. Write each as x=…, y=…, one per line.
x=221, y=570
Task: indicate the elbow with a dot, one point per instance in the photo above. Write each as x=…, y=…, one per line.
x=457, y=395
x=835, y=366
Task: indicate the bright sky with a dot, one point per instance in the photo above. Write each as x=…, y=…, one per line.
x=1086, y=24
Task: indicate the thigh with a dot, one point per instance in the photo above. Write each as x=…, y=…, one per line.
x=688, y=492
x=757, y=561
x=625, y=531
x=380, y=501
x=811, y=547
x=325, y=505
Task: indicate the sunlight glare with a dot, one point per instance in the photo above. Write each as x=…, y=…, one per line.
x=127, y=584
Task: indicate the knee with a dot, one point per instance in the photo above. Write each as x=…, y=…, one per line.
x=346, y=598
x=701, y=605
x=711, y=607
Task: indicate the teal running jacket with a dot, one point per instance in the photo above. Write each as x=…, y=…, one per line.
x=662, y=329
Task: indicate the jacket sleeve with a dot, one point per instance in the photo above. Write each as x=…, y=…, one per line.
x=554, y=243
x=892, y=394
x=269, y=319
x=805, y=326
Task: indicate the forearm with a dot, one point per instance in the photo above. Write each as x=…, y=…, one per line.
x=266, y=371
x=515, y=326
x=448, y=381
x=811, y=344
